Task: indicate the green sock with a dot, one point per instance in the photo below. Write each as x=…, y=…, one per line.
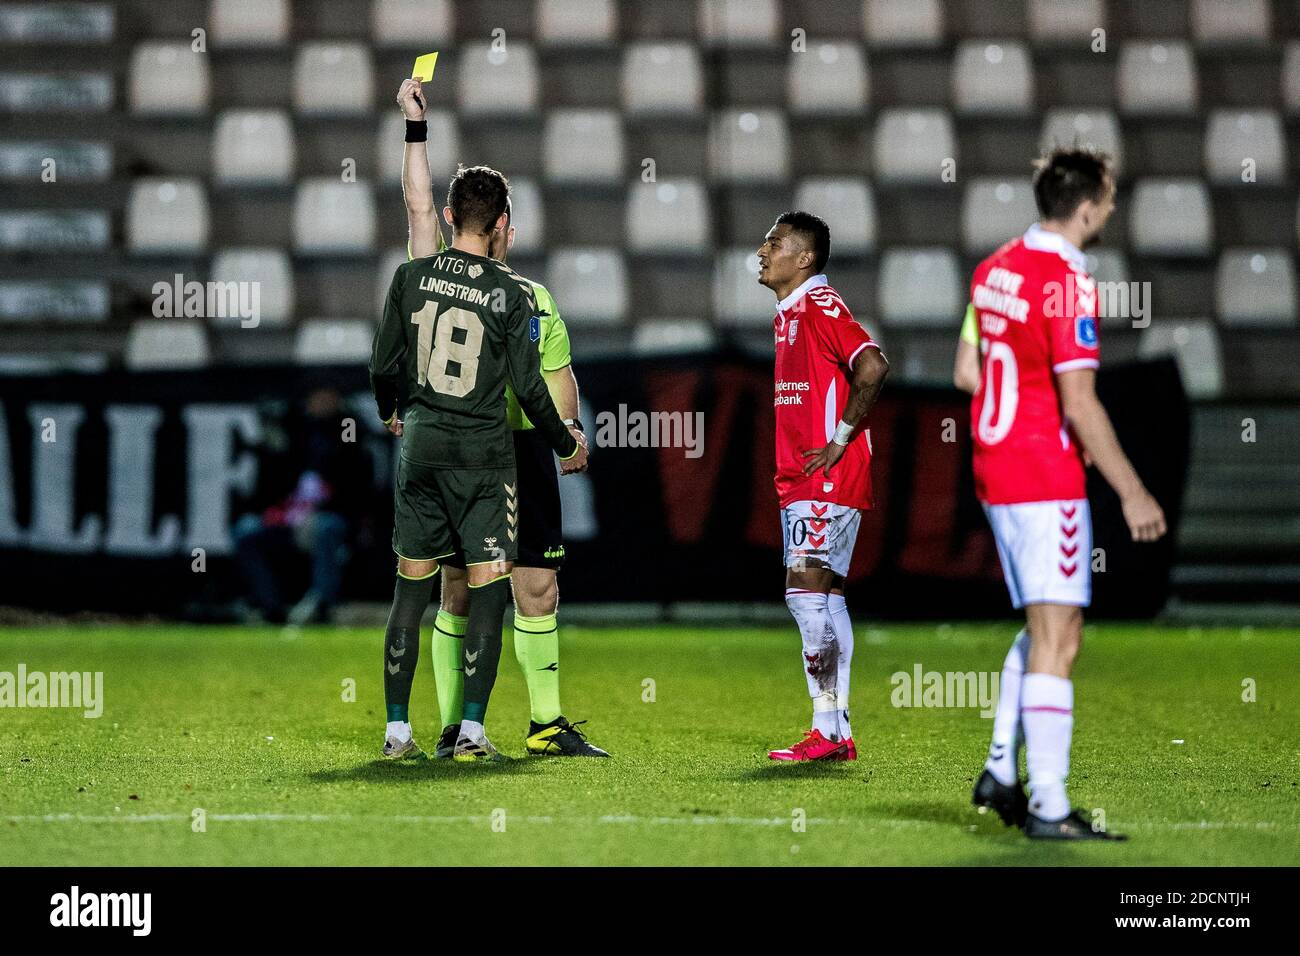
x=448, y=637
x=537, y=648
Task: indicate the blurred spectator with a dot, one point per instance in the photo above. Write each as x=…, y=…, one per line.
x=315, y=480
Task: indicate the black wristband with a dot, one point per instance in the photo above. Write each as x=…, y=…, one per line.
x=417, y=131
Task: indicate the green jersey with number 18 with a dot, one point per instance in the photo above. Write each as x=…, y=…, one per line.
x=455, y=331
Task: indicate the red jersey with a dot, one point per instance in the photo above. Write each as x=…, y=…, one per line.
x=817, y=340
x=1037, y=312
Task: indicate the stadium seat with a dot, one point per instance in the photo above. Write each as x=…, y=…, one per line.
x=1065, y=21
x=47, y=93
x=921, y=287
x=739, y=22
x=407, y=23
x=895, y=23
x=828, y=78
x=662, y=78
x=670, y=336
x=1223, y=22
x=80, y=24
x=333, y=79
x=1291, y=77
x=911, y=145
x=332, y=217
x=1194, y=344
x=583, y=146
x=76, y=161
x=1171, y=217
x=992, y=76
x=1094, y=129
x=65, y=300
x=167, y=78
x=848, y=207
x=48, y=230
x=1156, y=77
x=749, y=146
x=50, y=363
x=270, y=269
x=573, y=22
x=1234, y=136
x=590, y=285
x=253, y=147
x=527, y=215
x=333, y=342
x=738, y=299
x=668, y=216
x=161, y=344
x=166, y=216
x=994, y=210
x=236, y=23
x=443, y=148
x=497, y=81
x=1256, y=287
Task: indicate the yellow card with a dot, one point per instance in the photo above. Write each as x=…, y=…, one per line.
x=423, y=69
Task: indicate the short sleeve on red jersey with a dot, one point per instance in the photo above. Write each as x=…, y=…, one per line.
x=1075, y=341
x=840, y=333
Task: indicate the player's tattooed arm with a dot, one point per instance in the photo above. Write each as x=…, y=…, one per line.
x=417, y=180
x=1084, y=411
x=869, y=371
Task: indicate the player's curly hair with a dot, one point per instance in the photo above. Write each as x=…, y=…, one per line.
x=815, y=232
x=1067, y=176
x=478, y=195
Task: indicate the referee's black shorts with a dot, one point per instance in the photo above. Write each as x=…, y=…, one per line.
x=541, y=535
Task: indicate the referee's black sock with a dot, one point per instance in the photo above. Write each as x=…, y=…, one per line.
x=482, y=650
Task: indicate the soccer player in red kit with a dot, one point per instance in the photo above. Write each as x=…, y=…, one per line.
x=1035, y=420
x=828, y=374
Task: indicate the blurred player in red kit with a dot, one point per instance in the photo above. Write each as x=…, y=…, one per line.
x=828, y=374
x=1035, y=420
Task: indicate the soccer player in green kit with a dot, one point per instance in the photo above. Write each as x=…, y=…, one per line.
x=541, y=541
x=455, y=330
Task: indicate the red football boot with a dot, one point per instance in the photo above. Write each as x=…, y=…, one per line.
x=850, y=751
x=814, y=747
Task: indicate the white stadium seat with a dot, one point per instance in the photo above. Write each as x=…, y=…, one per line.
x=406, y=23
x=1234, y=136
x=252, y=147
x=993, y=76
x=1156, y=77
x=1093, y=129
x=1256, y=287
x=497, y=81
x=828, y=78
x=330, y=216
x=590, y=285
x=583, y=146
x=670, y=336
x=739, y=22
x=994, y=210
x=572, y=22
x=333, y=79
x=893, y=23
x=738, y=299
x=161, y=344
x=1222, y=22
x=1194, y=344
x=333, y=342
x=911, y=145
x=47, y=230
x=921, y=287
x=167, y=217
x=1065, y=21
x=270, y=269
x=1171, y=217
x=668, y=216
x=235, y=23
x=848, y=207
x=442, y=148
x=749, y=146
x=168, y=79
x=527, y=215
x=1291, y=77
x=662, y=78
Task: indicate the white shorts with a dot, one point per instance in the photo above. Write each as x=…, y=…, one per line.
x=1046, y=551
x=819, y=534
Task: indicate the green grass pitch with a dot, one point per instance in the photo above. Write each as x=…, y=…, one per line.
x=251, y=727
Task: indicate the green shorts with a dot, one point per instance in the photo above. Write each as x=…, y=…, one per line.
x=440, y=511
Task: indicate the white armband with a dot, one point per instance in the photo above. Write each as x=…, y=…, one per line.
x=843, y=433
